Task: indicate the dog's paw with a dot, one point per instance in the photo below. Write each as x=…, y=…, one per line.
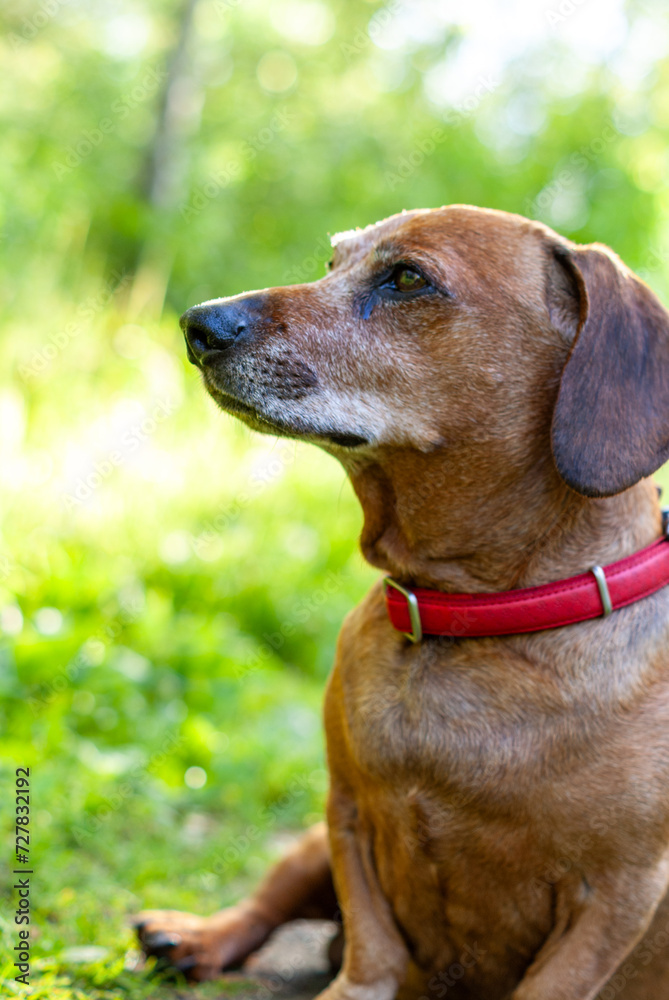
x=200, y=947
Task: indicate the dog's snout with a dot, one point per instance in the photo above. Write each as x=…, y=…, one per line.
x=214, y=327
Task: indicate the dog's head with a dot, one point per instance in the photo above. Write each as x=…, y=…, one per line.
x=451, y=329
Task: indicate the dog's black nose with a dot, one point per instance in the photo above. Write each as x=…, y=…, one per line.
x=214, y=327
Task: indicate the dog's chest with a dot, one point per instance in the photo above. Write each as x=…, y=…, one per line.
x=445, y=722
x=486, y=733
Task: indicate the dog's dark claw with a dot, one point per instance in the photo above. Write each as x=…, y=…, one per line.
x=186, y=963
x=160, y=943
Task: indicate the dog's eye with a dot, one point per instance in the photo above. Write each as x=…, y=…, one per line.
x=401, y=282
x=405, y=279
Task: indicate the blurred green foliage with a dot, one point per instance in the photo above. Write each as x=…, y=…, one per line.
x=171, y=586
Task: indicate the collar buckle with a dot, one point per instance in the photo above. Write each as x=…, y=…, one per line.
x=416, y=633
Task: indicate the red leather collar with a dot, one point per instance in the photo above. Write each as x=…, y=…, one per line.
x=600, y=591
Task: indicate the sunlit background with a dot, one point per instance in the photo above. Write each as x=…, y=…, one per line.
x=171, y=585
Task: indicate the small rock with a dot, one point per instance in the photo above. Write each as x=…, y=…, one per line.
x=84, y=954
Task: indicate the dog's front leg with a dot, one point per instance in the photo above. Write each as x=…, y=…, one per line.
x=593, y=935
x=375, y=956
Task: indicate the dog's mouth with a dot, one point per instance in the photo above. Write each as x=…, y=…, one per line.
x=258, y=421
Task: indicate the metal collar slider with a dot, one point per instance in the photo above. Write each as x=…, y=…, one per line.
x=600, y=575
x=603, y=587
x=416, y=633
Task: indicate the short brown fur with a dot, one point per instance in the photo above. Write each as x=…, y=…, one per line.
x=499, y=811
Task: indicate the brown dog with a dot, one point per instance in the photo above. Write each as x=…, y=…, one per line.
x=499, y=807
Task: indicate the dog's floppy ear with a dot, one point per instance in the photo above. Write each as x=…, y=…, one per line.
x=611, y=420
